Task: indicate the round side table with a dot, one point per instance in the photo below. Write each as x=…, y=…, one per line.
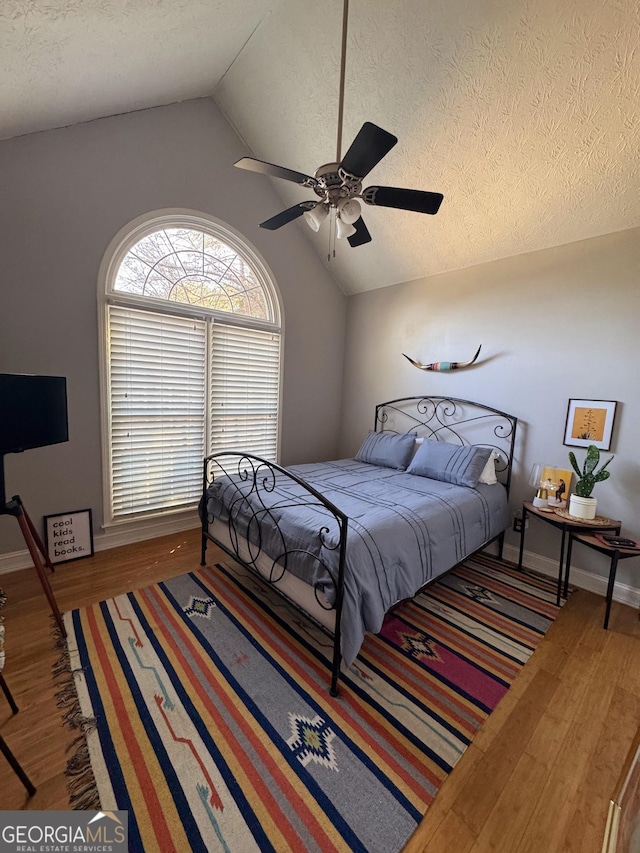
x=614, y=553
x=567, y=524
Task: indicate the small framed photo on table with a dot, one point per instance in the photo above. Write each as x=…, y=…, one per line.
x=69, y=536
x=557, y=481
x=590, y=422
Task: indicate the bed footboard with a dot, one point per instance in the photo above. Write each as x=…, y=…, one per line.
x=254, y=499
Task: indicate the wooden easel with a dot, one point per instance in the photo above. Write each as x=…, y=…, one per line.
x=35, y=545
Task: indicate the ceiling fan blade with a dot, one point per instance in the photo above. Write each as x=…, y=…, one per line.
x=263, y=168
x=416, y=200
x=362, y=234
x=369, y=147
x=287, y=215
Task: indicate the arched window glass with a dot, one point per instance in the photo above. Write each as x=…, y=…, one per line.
x=194, y=268
x=191, y=360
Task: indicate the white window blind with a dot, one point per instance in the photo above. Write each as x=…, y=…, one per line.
x=245, y=371
x=192, y=327
x=157, y=384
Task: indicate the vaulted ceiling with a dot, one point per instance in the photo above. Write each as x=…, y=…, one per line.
x=525, y=114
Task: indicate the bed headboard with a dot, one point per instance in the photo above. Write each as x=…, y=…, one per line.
x=453, y=420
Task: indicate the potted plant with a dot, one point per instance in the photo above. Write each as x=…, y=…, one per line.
x=581, y=503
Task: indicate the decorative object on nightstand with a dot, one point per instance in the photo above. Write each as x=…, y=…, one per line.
x=551, y=485
x=558, y=483
x=581, y=503
x=541, y=497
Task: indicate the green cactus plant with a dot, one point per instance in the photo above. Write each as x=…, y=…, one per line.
x=588, y=476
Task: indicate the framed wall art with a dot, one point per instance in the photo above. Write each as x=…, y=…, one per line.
x=69, y=536
x=590, y=422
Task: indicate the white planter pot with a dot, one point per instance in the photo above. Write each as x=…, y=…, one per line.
x=584, y=508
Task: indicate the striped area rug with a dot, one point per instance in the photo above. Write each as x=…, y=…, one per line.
x=214, y=728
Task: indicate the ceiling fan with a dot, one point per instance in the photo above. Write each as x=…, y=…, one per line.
x=339, y=185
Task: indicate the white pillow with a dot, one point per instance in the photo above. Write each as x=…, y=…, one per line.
x=488, y=474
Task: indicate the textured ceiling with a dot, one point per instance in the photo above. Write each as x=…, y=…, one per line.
x=525, y=114
x=66, y=61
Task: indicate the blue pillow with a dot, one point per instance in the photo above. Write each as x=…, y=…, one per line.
x=387, y=449
x=451, y=463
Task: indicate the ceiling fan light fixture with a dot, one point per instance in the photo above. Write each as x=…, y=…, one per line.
x=316, y=216
x=344, y=229
x=349, y=209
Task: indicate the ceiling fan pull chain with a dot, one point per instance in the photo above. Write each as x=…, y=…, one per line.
x=332, y=237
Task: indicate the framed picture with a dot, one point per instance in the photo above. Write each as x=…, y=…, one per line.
x=590, y=422
x=69, y=536
x=558, y=482
x=622, y=832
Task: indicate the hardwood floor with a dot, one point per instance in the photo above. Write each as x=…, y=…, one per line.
x=536, y=779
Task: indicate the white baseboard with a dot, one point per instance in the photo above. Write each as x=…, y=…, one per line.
x=623, y=593
x=115, y=536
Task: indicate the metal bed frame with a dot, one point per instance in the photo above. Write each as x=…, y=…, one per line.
x=449, y=419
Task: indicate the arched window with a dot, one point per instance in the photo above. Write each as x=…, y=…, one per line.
x=192, y=357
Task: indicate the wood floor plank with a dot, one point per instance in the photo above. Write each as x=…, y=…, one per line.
x=559, y=801
x=554, y=725
x=564, y=634
x=478, y=796
x=499, y=716
x=616, y=735
x=629, y=672
x=549, y=822
x=585, y=829
x=452, y=834
x=447, y=794
x=574, y=756
x=507, y=821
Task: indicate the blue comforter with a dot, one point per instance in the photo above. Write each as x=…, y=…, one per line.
x=404, y=530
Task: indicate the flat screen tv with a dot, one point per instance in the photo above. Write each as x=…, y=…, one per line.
x=33, y=411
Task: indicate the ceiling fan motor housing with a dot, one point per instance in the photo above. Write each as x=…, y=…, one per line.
x=334, y=184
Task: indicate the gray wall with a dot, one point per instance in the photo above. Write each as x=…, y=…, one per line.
x=65, y=194
x=556, y=324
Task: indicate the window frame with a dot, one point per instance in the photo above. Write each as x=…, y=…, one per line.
x=115, y=253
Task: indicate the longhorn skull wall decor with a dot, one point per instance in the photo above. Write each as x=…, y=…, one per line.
x=444, y=366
